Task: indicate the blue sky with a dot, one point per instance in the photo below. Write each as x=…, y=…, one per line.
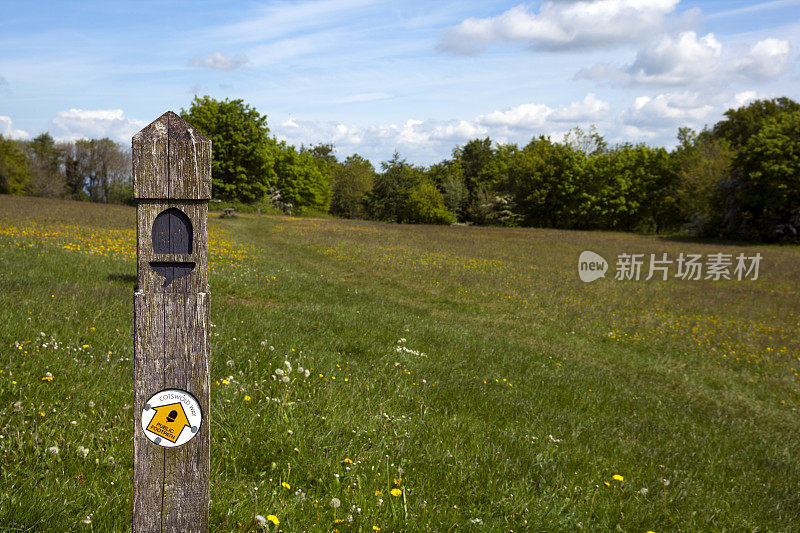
x=376, y=76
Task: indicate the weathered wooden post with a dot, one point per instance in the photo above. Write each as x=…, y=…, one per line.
x=172, y=186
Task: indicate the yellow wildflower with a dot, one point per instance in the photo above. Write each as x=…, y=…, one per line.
x=378, y=493
x=247, y=398
x=47, y=378
x=286, y=485
x=395, y=492
x=375, y=528
x=347, y=460
x=226, y=382
x=274, y=519
x=618, y=477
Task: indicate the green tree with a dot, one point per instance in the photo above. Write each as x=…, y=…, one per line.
x=769, y=170
x=300, y=180
x=243, y=153
x=448, y=176
x=742, y=123
x=352, y=181
x=392, y=188
x=545, y=179
x=15, y=171
x=703, y=166
x=425, y=205
x=45, y=160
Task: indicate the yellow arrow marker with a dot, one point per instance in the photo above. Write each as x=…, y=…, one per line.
x=169, y=421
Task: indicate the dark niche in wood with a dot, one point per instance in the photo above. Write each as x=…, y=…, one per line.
x=172, y=234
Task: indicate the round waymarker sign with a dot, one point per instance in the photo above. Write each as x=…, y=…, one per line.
x=171, y=418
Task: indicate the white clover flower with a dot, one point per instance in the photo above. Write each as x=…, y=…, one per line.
x=307, y=373
x=285, y=379
x=336, y=503
x=643, y=491
x=230, y=362
x=83, y=452
x=53, y=449
x=261, y=520
x=299, y=369
x=87, y=520
x=278, y=371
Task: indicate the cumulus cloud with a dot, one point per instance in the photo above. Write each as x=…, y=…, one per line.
x=667, y=110
x=7, y=129
x=218, y=61
x=688, y=60
x=427, y=140
x=767, y=59
x=562, y=25
x=94, y=124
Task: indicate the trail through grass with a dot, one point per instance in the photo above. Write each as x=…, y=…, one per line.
x=453, y=378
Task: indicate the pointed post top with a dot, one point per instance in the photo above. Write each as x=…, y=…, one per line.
x=171, y=160
x=170, y=125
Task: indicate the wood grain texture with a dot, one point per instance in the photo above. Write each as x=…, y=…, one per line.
x=172, y=169
x=171, y=485
x=171, y=160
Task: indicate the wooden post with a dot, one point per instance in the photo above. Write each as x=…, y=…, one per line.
x=172, y=186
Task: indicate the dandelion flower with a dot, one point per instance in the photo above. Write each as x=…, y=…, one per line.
x=247, y=398
x=347, y=460
x=395, y=492
x=274, y=519
x=618, y=477
x=286, y=485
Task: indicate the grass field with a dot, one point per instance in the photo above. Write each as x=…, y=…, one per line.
x=468, y=368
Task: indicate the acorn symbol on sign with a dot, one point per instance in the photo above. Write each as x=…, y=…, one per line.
x=172, y=416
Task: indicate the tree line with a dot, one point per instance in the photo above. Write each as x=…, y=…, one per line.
x=739, y=179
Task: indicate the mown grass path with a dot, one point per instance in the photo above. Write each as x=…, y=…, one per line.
x=452, y=379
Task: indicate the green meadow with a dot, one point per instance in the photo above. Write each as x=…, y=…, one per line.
x=453, y=378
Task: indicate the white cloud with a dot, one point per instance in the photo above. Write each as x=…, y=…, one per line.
x=689, y=60
x=767, y=59
x=428, y=140
x=591, y=109
x=94, y=124
x=7, y=129
x=667, y=111
x=219, y=61
x=563, y=25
